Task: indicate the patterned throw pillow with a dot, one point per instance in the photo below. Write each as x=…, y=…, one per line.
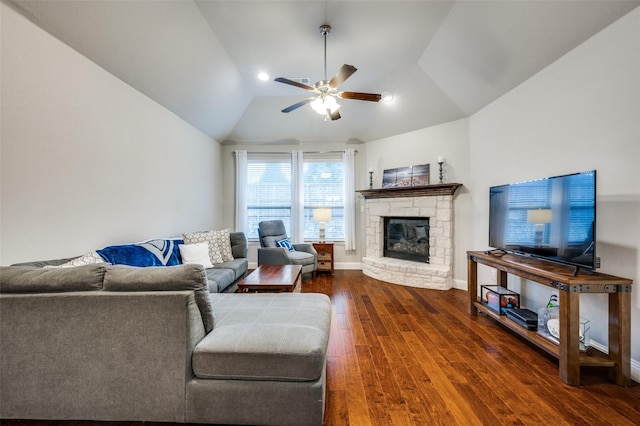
x=285, y=244
x=224, y=244
x=211, y=238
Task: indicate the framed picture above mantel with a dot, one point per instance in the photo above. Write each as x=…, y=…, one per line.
x=403, y=177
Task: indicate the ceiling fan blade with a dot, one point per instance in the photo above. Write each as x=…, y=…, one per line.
x=373, y=97
x=294, y=83
x=299, y=104
x=334, y=115
x=343, y=73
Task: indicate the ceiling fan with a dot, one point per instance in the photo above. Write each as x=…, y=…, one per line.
x=326, y=91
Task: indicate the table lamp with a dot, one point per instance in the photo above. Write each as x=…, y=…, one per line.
x=322, y=216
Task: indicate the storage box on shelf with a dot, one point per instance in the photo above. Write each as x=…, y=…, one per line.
x=549, y=327
x=498, y=298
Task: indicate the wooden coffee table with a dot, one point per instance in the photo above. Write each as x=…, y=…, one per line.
x=273, y=278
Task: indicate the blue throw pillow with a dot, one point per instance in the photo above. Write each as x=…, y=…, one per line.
x=285, y=244
x=148, y=253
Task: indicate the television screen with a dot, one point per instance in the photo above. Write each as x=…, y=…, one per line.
x=552, y=218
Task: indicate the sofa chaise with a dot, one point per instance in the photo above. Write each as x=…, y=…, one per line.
x=120, y=343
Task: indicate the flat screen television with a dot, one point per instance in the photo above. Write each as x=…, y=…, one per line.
x=552, y=218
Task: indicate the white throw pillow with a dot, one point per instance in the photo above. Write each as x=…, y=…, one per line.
x=196, y=253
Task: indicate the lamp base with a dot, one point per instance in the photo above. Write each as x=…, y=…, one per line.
x=322, y=235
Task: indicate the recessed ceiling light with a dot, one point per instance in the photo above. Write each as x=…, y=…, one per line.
x=263, y=76
x=387, y=96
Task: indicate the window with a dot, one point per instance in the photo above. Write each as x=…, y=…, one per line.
x=323, y=188
x=269, y=192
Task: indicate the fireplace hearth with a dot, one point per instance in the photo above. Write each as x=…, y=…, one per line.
x=407, y=238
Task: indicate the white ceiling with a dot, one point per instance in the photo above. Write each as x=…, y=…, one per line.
x=442, y=60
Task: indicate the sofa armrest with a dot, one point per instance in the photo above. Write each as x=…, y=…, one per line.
x=273, y=256
x=239, y=245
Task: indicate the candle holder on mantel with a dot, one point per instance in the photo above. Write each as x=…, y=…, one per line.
x=370, y=179
x=441, y=174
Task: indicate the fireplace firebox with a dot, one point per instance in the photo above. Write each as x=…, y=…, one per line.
x=407, y=238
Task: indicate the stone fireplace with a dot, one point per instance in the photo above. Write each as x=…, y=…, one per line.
x=432, y=204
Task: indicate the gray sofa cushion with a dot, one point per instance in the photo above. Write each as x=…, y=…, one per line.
x=164, y=278
x=25, y=279
x=219, y=279
x=266, y=337
x=238, y=266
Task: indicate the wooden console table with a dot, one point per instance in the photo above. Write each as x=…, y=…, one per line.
x=569, y=287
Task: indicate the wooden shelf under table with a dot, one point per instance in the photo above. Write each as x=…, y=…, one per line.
x=594, y=359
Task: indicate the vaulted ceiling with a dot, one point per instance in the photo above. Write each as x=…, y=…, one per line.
x=442, y=60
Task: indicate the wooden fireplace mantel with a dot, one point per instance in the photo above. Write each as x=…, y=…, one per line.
x=412, y=191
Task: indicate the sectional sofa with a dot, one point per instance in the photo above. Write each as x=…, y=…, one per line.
x=122, y=343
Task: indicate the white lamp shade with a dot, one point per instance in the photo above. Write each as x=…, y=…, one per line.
x=322, y=215
x=539, y=216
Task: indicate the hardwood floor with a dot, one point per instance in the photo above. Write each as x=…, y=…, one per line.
x=407, y=356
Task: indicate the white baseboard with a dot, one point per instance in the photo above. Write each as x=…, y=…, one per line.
x=348, y=265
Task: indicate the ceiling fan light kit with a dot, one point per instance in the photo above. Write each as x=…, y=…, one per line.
x=326, y=92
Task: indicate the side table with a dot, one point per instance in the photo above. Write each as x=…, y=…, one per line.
x=325, y=257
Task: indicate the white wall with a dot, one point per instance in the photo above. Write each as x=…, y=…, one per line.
x=580, y=113
x=451, y=141
x=87, y=160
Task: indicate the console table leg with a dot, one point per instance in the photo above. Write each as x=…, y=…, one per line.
x=620, y=337
x=472, y=285
x=569, y=358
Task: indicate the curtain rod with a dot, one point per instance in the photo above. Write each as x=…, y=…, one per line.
x=289, y=152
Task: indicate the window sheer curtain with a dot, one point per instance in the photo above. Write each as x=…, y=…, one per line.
x=349, y=161
x=241, y=191
x=297, y=197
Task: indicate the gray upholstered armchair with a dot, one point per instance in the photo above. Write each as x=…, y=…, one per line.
x=269, y=253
